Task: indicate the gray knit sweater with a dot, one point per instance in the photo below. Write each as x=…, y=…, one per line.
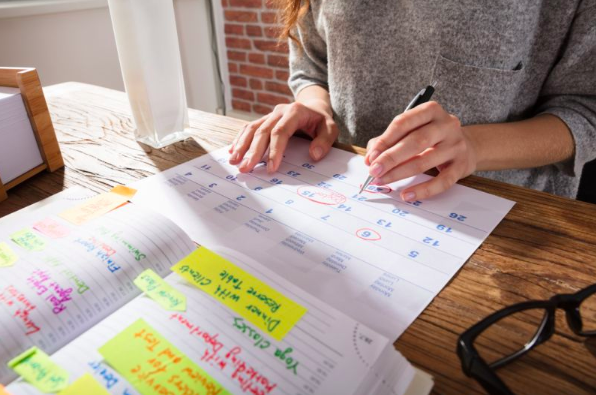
x=491, y=61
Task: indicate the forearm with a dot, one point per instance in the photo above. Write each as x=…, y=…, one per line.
x=317, y=98
x=534, y=142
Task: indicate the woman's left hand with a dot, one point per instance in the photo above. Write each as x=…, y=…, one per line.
x=418, y=140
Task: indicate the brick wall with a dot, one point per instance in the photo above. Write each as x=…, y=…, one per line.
x=257, y=61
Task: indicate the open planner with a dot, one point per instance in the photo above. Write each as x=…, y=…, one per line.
x=70, y=291
x=300, y=284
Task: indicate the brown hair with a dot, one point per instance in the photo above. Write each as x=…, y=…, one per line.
x=290, y=13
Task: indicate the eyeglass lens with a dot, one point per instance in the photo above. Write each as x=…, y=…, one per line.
x=510, y=335
x=587, y=310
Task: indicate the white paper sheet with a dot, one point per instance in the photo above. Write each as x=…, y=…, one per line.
x=91, y=269
x=371, y=255
x=19, y=151
x=334, y=352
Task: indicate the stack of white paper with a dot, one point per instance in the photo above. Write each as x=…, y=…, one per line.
x=19, y=152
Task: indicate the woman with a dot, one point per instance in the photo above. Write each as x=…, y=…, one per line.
x=515, y=92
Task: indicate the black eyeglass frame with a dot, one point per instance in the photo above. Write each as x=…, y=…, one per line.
x=475, y=366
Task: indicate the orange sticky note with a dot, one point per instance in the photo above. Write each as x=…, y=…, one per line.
x=124, y=191
x=94, y=208
x=3, y=391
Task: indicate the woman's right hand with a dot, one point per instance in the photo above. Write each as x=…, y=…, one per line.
x=274, y=130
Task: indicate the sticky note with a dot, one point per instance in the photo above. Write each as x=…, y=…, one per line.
x=27, y=239
x=245, y=294
x=163, y=293
x=85, y=384
x=36, y=367
x=93, y=208
x=153, y=365
x=3, y=391
x=51, y=228
x=124, y=191
x=7, y=255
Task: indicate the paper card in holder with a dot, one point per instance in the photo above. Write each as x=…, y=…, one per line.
x=28, y=143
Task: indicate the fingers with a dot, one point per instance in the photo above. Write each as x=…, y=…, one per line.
x=367, y=158
x=244, y=139
x=326, y=134
x=411, y=145
x=280, y=136
x=404, y=124
x=445, y=180
x=259, y=143
x=432, y=157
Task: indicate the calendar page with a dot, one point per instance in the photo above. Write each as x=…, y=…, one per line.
x=370, y=255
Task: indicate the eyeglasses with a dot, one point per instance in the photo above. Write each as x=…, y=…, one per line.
x=482, y=349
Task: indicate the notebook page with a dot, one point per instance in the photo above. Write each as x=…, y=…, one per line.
x=333, y=351
x=49, y=297
x=371, y=255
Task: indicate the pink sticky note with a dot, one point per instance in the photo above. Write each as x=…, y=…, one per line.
x=51, y=228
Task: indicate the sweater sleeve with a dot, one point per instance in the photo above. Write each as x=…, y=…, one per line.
x=569, y=91
x=308, y=61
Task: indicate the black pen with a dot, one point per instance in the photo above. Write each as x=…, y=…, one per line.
x=422, y=97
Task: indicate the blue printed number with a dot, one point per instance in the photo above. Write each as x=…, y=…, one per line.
x=325, y=217
x=366, y=233
x=401, y=213
x=444, y=228
x=241, y=197
x=413, y=254
x=344, y=207
x=258, y=188
x=289, y=201
x=431, y=241
x=416, y=203
x=324, y=184
x=231, y=178
x=275, y=181
x=384, y=223
x=269, y=211
x=359, y=198
x=458, y=217
x=308, y=166
x=212, y=185
x=206, y=167
x=293, y=173
x=339, y=177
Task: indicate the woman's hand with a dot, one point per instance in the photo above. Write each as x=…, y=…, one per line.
x=275, y=129
x=416, y=141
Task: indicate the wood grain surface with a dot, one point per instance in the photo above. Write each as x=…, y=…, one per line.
x=546, y=244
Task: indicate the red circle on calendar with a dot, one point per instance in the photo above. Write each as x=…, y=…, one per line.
x=321, y=195
x=368, y=234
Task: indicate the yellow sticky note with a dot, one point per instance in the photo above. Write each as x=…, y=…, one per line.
x=245, y=294
x=163, y=293
x=36, y=367
x=7, y=255
x=3, y=391
x=153, y=365
x=85, y=384
x=94, y=208
x=29, y=240
x=124, y=191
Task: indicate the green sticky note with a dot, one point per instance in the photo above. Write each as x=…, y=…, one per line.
x=36, y=367
x=154, y=366
x=27, y=239
x=7, y=255
x=87, y=385
x=163, y=293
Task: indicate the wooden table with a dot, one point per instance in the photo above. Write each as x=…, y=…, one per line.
x=546, y=244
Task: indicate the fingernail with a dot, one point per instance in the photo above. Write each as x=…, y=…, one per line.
x=376, y=169
x=317, y=153
x=244, y=162
x=270, y=166
x=234, y=157
x=408, y=197
x=376, y=181
x=373, y=155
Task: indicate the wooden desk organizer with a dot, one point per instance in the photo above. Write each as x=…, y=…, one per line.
x=27, y=80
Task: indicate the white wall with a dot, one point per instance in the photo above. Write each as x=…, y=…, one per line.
x=73, y=40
